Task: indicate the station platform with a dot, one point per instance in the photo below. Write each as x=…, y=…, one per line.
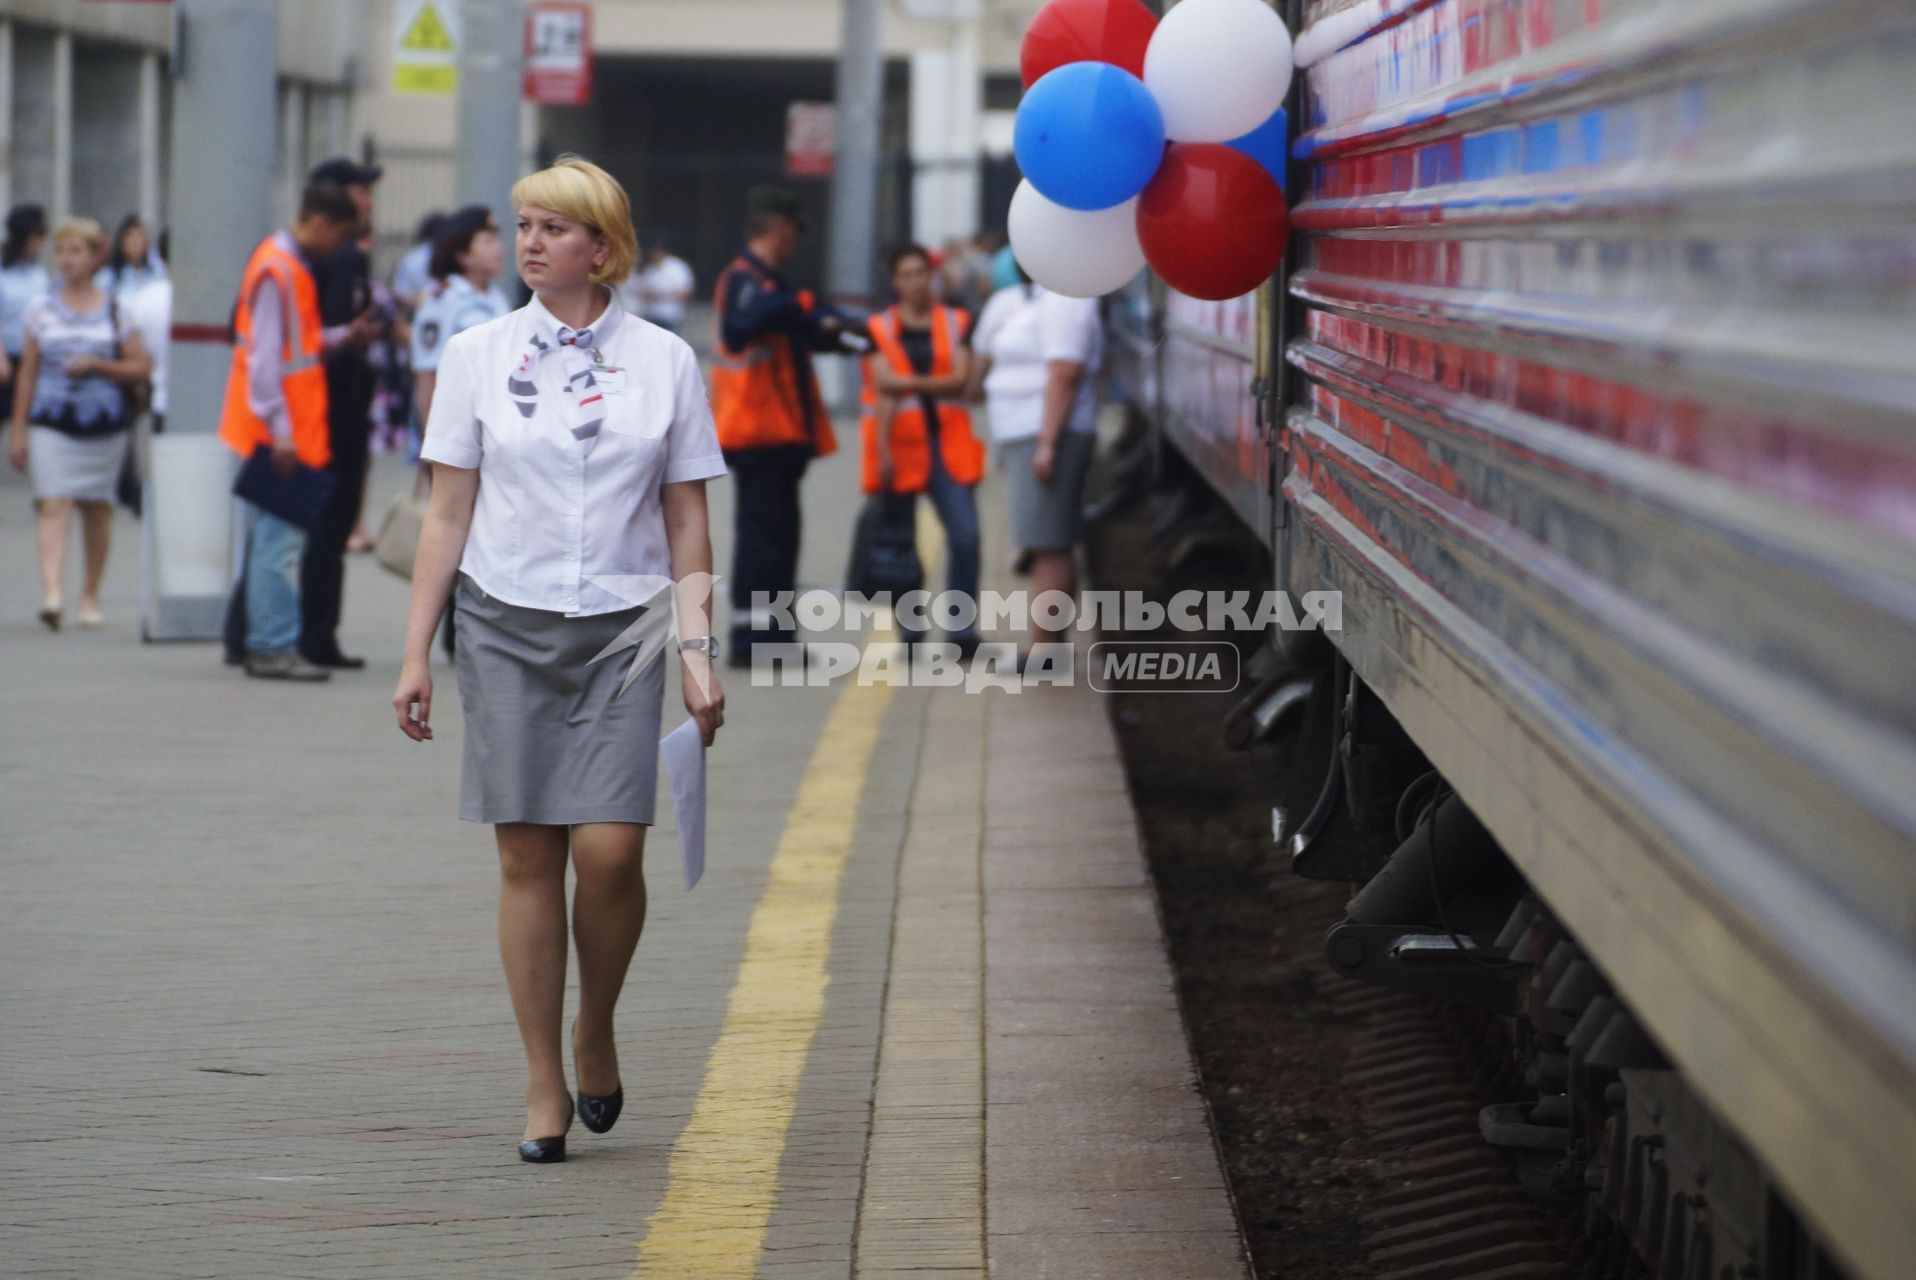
x=917, y=1020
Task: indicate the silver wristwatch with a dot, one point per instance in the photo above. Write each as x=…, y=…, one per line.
x=707, y=645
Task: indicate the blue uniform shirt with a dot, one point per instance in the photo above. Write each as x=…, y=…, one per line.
x=20, y=284
x=451, y=308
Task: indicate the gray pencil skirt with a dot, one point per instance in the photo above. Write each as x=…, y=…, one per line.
x=84, y=468
x=549, y=737
x=1047, y=517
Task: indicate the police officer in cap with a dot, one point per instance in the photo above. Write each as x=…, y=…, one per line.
x=772, y=421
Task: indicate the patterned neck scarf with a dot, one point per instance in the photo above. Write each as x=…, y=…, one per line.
x=557, y=367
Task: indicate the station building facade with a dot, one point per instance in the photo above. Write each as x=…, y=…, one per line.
x=689, y=108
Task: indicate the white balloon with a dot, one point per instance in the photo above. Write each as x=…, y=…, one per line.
x=1218, y=68
x=1068, y=251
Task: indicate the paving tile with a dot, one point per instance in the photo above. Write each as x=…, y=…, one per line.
x=263, y=1033
x=1099, y=1156
x=1057, y=1255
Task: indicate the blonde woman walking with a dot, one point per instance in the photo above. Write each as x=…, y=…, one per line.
x=570, y=445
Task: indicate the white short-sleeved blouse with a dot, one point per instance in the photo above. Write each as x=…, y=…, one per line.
x=555, y=512
x=1023, y=331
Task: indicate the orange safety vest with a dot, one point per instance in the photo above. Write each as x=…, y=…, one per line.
x=756, y=390
x=910, y=439
x=303, y=377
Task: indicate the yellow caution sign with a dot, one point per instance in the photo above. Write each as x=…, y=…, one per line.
x=425, y=47
x=425, y=81
x=427, y=33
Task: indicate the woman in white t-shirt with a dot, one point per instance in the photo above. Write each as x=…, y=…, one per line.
x=1037, y=355
x=570, y=446
x=660, y=290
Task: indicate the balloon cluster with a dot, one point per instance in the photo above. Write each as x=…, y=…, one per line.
x=1147, y=141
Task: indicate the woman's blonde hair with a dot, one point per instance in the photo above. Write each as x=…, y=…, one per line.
x=85, y=230
x=576, y=188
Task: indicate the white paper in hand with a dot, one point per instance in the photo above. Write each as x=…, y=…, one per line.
x=683, y=753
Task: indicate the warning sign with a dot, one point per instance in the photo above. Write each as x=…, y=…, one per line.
x=427, y=33
x=811, y=139
x=426, y=47
x=559, y=54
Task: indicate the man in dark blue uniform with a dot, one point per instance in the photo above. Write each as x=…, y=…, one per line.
x=345, y=301
x=772, y=421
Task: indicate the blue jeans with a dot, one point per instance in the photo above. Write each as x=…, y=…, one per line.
x=957, y=508
x=272, y=584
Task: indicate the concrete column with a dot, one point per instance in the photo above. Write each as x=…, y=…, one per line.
x=963, y=193
x=60, y=197
x=149, y=126
x=292, y=148
x=224, y=142
x=930, y=109
x=225, y=152
x=6, y=114
x=947, y=110
x=851, y=260
x=528, y=139
x=491, y=126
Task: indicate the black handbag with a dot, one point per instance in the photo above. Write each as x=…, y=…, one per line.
x=130, y=490
x=885, y=547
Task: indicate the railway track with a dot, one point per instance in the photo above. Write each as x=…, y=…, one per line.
x=1350, y=1115
x=1524, y=1128
x=1451, y=1209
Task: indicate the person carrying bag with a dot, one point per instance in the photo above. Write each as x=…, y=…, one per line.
x=70, y=416
x=918, y=435
x=275, y=417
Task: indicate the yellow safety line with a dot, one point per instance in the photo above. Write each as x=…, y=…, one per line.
x=722, y=1182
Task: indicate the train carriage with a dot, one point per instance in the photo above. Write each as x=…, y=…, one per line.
x=1591, y=386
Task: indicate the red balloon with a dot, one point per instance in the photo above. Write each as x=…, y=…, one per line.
x=1064, y=31
x=1213, y=222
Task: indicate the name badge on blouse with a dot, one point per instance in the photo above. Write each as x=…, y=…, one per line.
x=610, y=378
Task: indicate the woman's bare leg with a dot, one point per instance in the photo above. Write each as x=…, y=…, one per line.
x=55, y=528
x=608, y=914
x=96, y=536
x=532, y=943
x=1052, y=571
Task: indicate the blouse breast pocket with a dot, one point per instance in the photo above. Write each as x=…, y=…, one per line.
x=632, y=412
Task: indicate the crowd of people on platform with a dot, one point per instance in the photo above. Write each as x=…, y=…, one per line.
x=84, y=320
x=569, y=442
x=963, y=328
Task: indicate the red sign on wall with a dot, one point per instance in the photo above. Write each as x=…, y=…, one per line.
x=559, y=55
x=811, y=139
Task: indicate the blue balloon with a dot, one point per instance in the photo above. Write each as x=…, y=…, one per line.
x=1089, y=136
x=1268, y=144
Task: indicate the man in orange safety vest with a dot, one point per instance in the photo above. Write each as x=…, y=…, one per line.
x=276, y=399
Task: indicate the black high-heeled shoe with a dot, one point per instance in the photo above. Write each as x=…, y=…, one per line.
x=600, y=1114
x=546, y=1150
